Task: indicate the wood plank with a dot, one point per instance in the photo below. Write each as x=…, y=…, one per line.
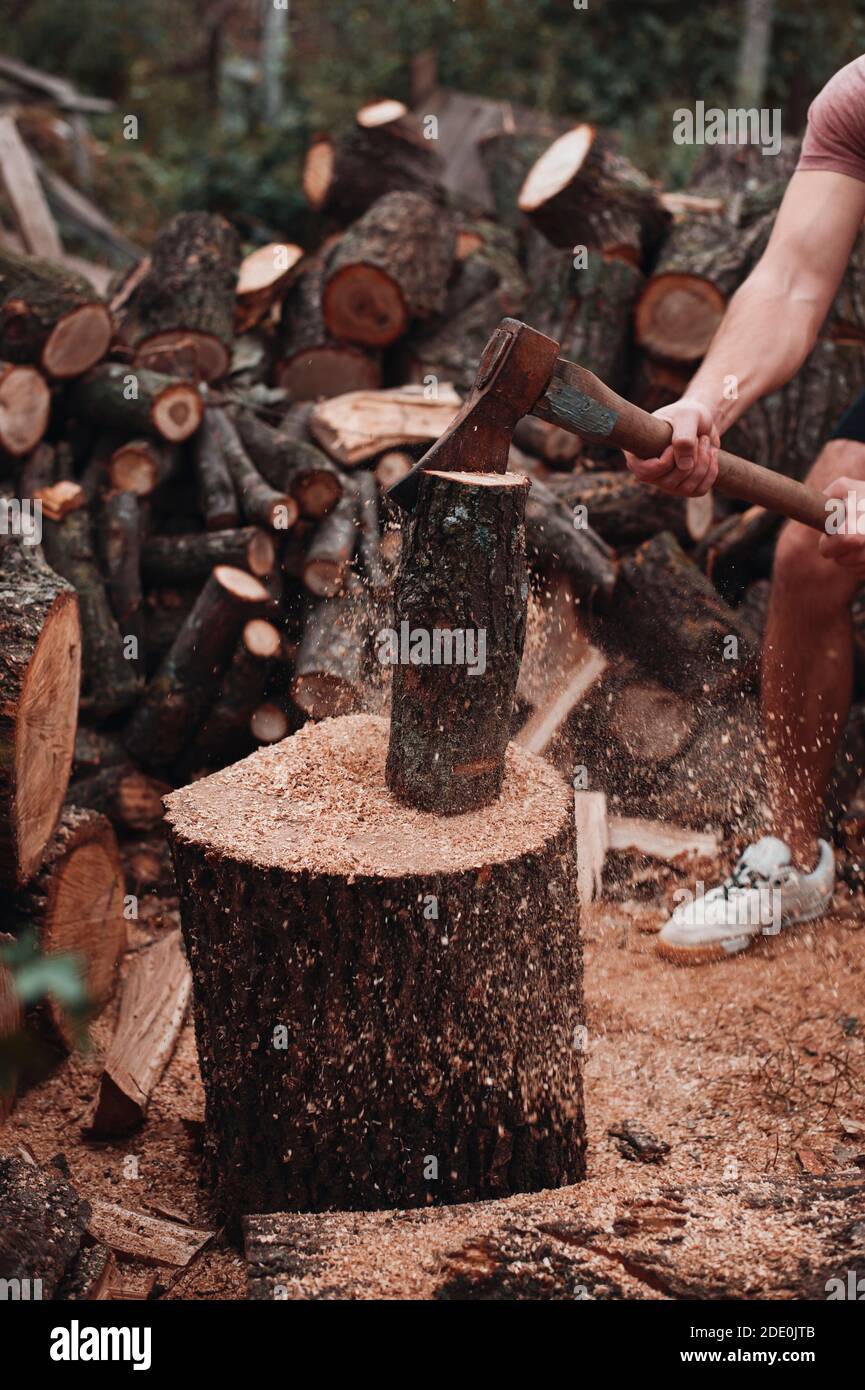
x=359, y=424
x=24, y=192
x=660, y=840
x=590, y=815
x=148, y=1239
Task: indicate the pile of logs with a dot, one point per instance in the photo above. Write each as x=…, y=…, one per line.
x=205, y=452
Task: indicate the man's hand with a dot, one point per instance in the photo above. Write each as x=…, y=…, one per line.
x=847, y=547
x=689, y=466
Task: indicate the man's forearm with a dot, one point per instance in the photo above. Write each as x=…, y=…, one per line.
x=762, y=342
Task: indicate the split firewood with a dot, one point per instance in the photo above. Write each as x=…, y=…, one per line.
x=449, y=731
x=141, y=466
x=390, y=267
x=553, y=537
x=120, y=546
x=180, y=317
x=110, y=676
x=659, y=840
x=292, y=464
x=622, y=510
x=75, y=905
x=137, y=401
x=385, y=152
x=590, y=815
x=240, y=693
x=152, y=1009
x=559, y=663
x=25, y=404
x=333, y=545
x=44, y=1221
x=328, y=677
x=185, y=559
x=262, y=280
x=11, y=1018
x=147, y=1240
x=313, y=364
x=269, y=723
x=261, y=504
x=50, y=318
x=583, y=192
x=58, y=500
x=40, y=672
x=361, y=424
x=178, y=695
x=217, y=496
x=702, y=261
x=128, y=798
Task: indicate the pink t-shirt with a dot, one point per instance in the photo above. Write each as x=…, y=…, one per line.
x=835, y=138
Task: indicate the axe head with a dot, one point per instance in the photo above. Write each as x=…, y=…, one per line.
x=513, y=374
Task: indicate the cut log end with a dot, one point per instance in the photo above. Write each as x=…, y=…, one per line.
x=327, y=371
x=318, y=172
x=677, y=316
x=78, y=342
x=262, y=639
x=25, y=404
x=186, y=353
x=365, y=305
x=556, y=167
x=268, y=724
x=177, y=412
x=267, y=267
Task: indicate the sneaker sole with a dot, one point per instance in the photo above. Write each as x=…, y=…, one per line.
x=712, y=954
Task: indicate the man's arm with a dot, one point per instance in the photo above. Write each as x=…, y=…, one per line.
x=769, y=328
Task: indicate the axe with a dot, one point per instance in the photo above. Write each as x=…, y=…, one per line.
x=521, y=373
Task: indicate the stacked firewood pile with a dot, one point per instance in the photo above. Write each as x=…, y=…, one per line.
x=211, y=443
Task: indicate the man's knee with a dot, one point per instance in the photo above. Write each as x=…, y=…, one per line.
x=799, y=565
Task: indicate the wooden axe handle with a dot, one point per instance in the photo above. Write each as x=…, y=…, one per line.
x=577, y=401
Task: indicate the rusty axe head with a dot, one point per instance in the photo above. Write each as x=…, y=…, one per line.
x=514, y=372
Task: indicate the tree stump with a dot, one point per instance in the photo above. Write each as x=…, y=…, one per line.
x=388, y=1003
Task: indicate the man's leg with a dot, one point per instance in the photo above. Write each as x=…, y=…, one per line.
x=808, y=666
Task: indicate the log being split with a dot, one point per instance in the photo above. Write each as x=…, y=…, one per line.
x=582, y=192
x=388, y=1004
x=180, y=317
x=75, y=903
x=178, y=695
x=392, y=266
x=138, y=402
x=40, y=673
x=50, y=317
x=459, y=622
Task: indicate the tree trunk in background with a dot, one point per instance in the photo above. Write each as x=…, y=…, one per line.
x=753, y=60
x=274, y=45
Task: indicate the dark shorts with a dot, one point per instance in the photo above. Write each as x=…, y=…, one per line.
x=852, y=422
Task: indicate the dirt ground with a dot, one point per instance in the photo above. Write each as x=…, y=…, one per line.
x=748, y=1068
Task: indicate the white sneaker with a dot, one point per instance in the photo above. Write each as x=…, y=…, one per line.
x=763, y=894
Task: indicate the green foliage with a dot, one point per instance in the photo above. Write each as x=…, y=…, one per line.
x=36, y=977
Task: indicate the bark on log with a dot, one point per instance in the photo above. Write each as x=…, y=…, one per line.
x=180, y=317
x=462, y=575
x=25, y=405
x=702, y=262
x=588, y=309
x=177, y=696
x=369, y=542
x=507, y=157
x=44, y=1221
x=291, y=464
x=261, y=504
x=137, y=401
x=389, y=1037
x=553, y=445
x=553, y=537
x=582, y=192
x=217, y=496
x=385, y=152
x=187, y=559
x=313, y=363
x=110, y=677
x=50, y=318
x=623, y=511
x=75, y=903
x=120, y=543
x=332, y=549
x=155, y=995
x=392, y=266
x=240, y=692
x=40, y=673
x=328, y=677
